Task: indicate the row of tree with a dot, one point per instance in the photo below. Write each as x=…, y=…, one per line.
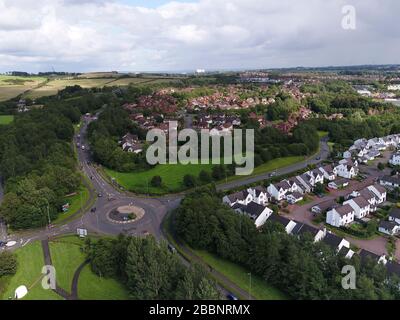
x=149, y=270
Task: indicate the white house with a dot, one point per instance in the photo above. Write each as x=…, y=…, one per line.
x=380, y=192
x=288, y=224
x=324, y=206
x=302, y=229
x=340, y=216
x=336, y=242
x=317, y=175
x=260, y=194
x=257, y=212
x=360, y=205
x=389, y=227
x=371, y=197
x=346, y=171
x=364, y=254
x=279, y=190
x=328, y=172
x=394, y=215
x=338, y=183
x=241, y=197
x=306, y=187
x=395, y=159
x=294, y=197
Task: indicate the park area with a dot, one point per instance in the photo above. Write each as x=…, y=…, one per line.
x=67, y=256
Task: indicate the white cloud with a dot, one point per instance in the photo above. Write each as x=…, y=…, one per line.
x=107, y=34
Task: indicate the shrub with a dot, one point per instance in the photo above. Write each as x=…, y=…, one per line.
x=156, y=181
x=8, y=263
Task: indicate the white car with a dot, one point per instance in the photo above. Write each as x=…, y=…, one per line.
x=83, y=147
x=11, y=244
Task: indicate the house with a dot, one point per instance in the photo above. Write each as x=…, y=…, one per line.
x=360, y=205
x=335, y=242
x=394, y=215
x=294, y=197
x=317, y=175
x=389, y=227
x=131, y=143
x=306, y=187
x=366, y=255
x=241, y=197
x=346, y=252
x=390, y=181
x=347, y=171
x=301, y=229
x=260, y=195
x=380, y=192
x=338, y=183
x=371, y=155
x=340, y=216
x=257, y=212
x=328, y=172
x=395, y=159
x=285, y=222
x=279, y=190
x=324, y=206
x=371, y=197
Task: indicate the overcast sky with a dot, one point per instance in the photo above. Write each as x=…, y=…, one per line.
x=162, y=35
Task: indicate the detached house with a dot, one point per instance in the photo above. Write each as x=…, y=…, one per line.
x=285, y=222
x=395, y=159
x=380, y=192
x=335, y=242
x=340, y=216
x=301, y=229
x=294, y=197
x=279, y=190
x=346, y=170
x=241, y=197
x=260, y=195
x=390, y=181
x=131, y=143
x=389, y=227
x=360, y=205
x=328, y=172
x=394, y=215
x=257, y=212
x=371, y=197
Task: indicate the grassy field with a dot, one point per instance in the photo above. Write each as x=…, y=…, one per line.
x=6, y=119
x=171, y=174
x=75, y=203
x=11, y=86
x=239, y=275
x=92, y=287
x=30, y=263
x=67, y=256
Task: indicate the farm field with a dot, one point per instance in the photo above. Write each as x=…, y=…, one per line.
x=6, y=119
x=11, y=86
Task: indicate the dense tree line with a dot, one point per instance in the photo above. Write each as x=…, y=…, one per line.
x=298, y=266
x=149, y=270
x=8, y=264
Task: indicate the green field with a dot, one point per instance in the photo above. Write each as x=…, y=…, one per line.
x=67, y=256
x=92, y=287
x=75, y=204
x=30, y=263
x=239, y=275
x=171, y=174
x=6, y=119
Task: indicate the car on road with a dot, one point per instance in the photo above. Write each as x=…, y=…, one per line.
x=231, y=296
x=272, y=174
x=99, y=195
x=93, y=210
x=91, y=177
x=318, y=158
x=2, y=244
x=171, y=248
x=83, y=147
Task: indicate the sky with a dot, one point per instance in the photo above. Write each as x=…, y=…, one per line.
x=164, y=35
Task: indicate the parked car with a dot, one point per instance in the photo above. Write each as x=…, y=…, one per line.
x=93, y=210
x=2, y=244
x=99, y=195
x=230, y=296
x=171, y=248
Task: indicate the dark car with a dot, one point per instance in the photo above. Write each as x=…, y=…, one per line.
x=171, y=248
x=93, y=210
x=2, y=244
x=230, y=296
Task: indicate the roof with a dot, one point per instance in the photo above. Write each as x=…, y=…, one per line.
x=260, y=189
x=391, y=179
x=364, y=254
x=344, y=210
x=367, y=194
x=393, y=268
x=388, y=225
x=332, y=240
x=237, y=196
x=395, y=213
x=279, y=219
x=301, y=229
x=361, y=202
x=380, y=188
x=282, y=184
x=254, y=209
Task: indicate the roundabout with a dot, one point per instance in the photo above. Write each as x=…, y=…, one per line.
x=126, y=214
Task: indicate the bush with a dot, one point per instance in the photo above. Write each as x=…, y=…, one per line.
x=205, y=176
x=8, y=263
x=189, y=181
x=156, y=181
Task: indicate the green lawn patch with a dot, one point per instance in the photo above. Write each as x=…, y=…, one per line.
x=6, y=119
x=76, y=202
x=322, y=134
x=239, y=275
x=30, y=263
x=92, y=287
x=67, y=256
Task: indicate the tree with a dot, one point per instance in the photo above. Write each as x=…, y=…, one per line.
x=205, y=176
x=8, y=263
x=189, y=181
x=156, y=181
x=381, y=166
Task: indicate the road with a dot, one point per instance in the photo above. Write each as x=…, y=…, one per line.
x=315, y=159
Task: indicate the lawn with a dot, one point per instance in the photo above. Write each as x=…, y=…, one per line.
x=322, y=134
x=6, y=119
x=92, y=287
x=67, y=256
x=171, y=174
x=30, y=263
x=75, y=204
x=239, y=275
